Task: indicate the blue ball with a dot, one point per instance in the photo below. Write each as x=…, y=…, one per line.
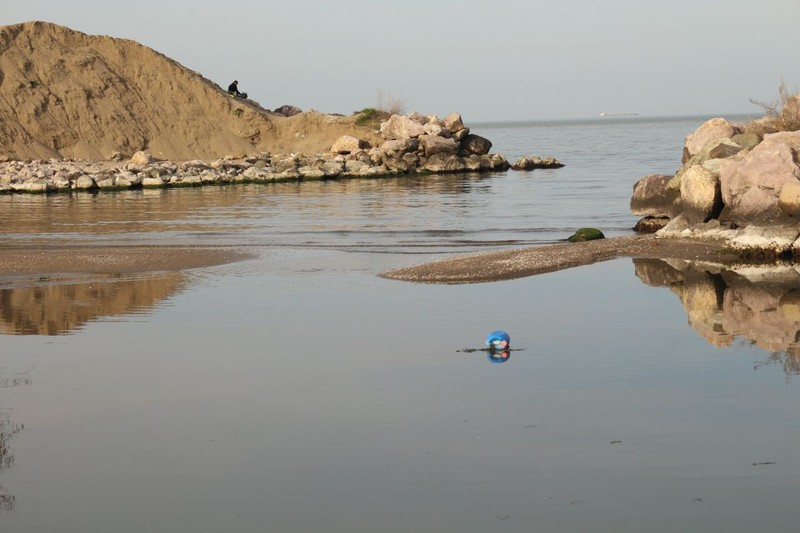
x=498, y=339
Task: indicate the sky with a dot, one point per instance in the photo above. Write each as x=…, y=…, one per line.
x=498, y=60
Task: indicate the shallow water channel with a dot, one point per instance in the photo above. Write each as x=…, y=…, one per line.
x=298, y=391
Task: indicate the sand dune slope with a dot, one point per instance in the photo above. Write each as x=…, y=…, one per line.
x=67, y=94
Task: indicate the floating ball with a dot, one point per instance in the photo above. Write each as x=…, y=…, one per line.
x=498, y=340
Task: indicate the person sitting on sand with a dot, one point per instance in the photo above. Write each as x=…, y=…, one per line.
x=233, y=89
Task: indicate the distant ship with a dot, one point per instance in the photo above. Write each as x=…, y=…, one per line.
x=604, y=114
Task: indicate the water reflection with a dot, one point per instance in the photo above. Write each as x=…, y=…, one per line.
x=55, y=306
x=759, y=304
x=8, y=428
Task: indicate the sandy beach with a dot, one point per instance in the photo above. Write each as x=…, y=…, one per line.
x=512, y=264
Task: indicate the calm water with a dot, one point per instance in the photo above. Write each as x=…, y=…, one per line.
x=300, y=392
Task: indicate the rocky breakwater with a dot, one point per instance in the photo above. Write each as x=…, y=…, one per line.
x=412, y=144
x=738, y=183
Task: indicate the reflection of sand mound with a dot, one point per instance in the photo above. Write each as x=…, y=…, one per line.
x=762, y=306
x=55, y=309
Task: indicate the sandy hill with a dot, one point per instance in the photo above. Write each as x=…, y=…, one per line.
x=67, y=94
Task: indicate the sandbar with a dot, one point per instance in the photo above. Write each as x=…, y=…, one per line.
x=32, y=261
x=518, y=263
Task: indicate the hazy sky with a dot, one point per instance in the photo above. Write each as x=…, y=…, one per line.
x=489, y=60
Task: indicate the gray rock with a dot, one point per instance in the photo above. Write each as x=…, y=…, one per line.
x=716, y=128
x=396, y=163
x=287, y=110
x=399, y=146
x=747, y=141
x=309, y=172
x=453, y=122
x=412, y=160
x=34, y=185
x=434, y=128
x=401, y=127
x=347, y=144
x=85, y=183
x=150, y=182
x=778, y=239
x=701, y=198
x=459, y=134
x=444, y=163
x=141, y=158
x=432, y=145
x=650, y=224
x=751, y=185
x=652, y=197
x=499, y=162
x=536, y=162
x=475, y=144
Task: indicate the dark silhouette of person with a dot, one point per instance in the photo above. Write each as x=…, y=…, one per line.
x=233, y=88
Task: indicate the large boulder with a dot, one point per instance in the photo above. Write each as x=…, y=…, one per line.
x=401, y=127
x=751, y=186
x=711, y=130
x=475, y=144
x=444, y=162
x=432, y=145
x=399, y=146
x=700, y=195
x=453, y=122
x=652, y=197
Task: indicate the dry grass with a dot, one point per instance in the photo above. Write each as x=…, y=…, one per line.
x=390, y=104
x=781, y=114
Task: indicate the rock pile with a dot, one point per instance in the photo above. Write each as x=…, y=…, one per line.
x=740, y=187
x=412, y=144
x=416, y=143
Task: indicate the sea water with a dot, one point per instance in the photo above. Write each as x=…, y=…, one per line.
x=299, y=391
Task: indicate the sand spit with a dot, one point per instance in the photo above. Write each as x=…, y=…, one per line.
x=18, y=263
x=512, y=264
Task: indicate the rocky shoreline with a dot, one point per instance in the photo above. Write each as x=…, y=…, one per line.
x=739, y=183
x=412, y=144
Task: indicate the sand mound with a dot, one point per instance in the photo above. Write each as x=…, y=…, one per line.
x=67, y=94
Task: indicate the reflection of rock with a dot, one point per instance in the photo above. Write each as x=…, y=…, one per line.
x=64, y=305
x=759, y=304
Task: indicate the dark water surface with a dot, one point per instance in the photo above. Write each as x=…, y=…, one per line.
x=300, y=392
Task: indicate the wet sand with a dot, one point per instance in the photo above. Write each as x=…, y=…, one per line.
x=512, y=264
x=25, y=262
